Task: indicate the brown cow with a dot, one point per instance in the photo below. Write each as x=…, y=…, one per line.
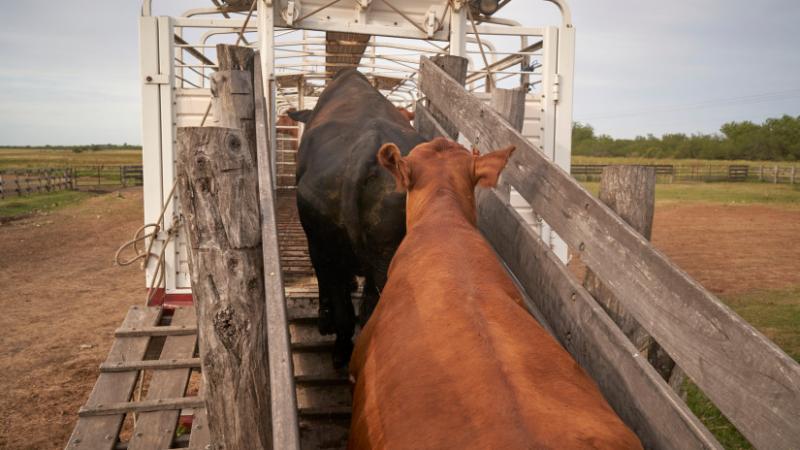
x=409, y=115
x=450, y=357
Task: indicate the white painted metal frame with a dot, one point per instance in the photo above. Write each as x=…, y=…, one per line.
x=168, y=100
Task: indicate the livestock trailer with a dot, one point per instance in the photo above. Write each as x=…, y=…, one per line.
x=541, y=220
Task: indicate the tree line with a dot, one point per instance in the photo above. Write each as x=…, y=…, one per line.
x=77, y=148
x=776, y=139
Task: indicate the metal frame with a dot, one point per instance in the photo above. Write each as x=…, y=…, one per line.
x=175, y=92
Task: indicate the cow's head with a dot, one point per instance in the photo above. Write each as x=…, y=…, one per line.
x=300, y=116
x=442, y=167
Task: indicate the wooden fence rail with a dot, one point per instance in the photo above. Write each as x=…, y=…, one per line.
x=28, y=181
x=752, y=381
x=676, y=173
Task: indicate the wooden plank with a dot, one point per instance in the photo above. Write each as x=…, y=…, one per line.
x=199, y=438
x=110, y=409
x=753, y=382
x=216, y=174
x=285, y=430
x=101, y=432
x=158, y=364
x=632, y=387
x=631, y=192
x=157, y=429
x=173, y=330
x=455, y=67
x=510, y=104
x=425, y=124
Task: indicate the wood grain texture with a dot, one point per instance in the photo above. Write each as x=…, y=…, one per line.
x=156, y=429
x=631, y=192
x=753, y=382
x=510, y=104
x=100, y=432
x=456, y=67
x=218, y=185
x=284, y=403
x=232, y=103
x=631, y=386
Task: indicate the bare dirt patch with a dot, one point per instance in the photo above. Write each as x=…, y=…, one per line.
x=731, y=249
x=61, y=298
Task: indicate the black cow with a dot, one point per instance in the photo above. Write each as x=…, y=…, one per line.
x=349, y=207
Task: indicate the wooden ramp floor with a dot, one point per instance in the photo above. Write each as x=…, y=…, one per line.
x=157, y=348
x=323, y=394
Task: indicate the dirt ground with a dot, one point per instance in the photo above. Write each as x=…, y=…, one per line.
x=62, y=297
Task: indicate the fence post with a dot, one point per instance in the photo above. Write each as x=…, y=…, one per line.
x=217, y=168
x=761, y=173
x=122, y=175
x=775, y=175
x=794, y=170
x=630, y=192
x=2, y=190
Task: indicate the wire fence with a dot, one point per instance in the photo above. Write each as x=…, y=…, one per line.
x=673, y=173
x=21, y=182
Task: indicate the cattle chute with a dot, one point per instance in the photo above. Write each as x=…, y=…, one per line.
x=301, y=45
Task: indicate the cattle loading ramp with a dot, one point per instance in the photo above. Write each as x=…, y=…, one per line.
x=153, y=369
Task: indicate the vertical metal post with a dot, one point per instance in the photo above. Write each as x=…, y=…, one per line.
x=266, y=39
x=166, y=57
x=458, y=29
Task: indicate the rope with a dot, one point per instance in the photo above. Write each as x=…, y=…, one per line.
x=140, y=235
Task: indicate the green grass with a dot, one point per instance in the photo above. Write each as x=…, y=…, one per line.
x=31, y=157
x=677, y=162
x=25, y=205
x=749, y=193
x=777, y=315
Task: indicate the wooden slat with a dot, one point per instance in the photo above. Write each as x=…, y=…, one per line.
x=158, y=364
x=108, y=409
x=172, y=330
x=632, y=387
x=101, y=432
x=199, y=438
x=753, y=382
x=285, y=432
x=156, y=429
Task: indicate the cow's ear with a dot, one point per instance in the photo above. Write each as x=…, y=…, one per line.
x=300, y=116
x=489, y=166
x=389, y=157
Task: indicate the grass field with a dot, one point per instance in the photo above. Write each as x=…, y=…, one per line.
x=30, y=157
x=729, y=193
x=26, y=205
x=678, y=162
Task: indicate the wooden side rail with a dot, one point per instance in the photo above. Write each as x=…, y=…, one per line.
x=285, y=431
x=753, y=382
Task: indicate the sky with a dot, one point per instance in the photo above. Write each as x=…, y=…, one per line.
x=70, y=70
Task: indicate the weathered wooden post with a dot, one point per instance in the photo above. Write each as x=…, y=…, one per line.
x=456, y=67
x=775, y=175
x=630, y=192
x=510, y=103
x=218, y=188
x=794, y=171
x=219, y=194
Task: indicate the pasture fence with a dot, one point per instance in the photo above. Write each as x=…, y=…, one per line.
x=678, y=173
x=27, y=181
